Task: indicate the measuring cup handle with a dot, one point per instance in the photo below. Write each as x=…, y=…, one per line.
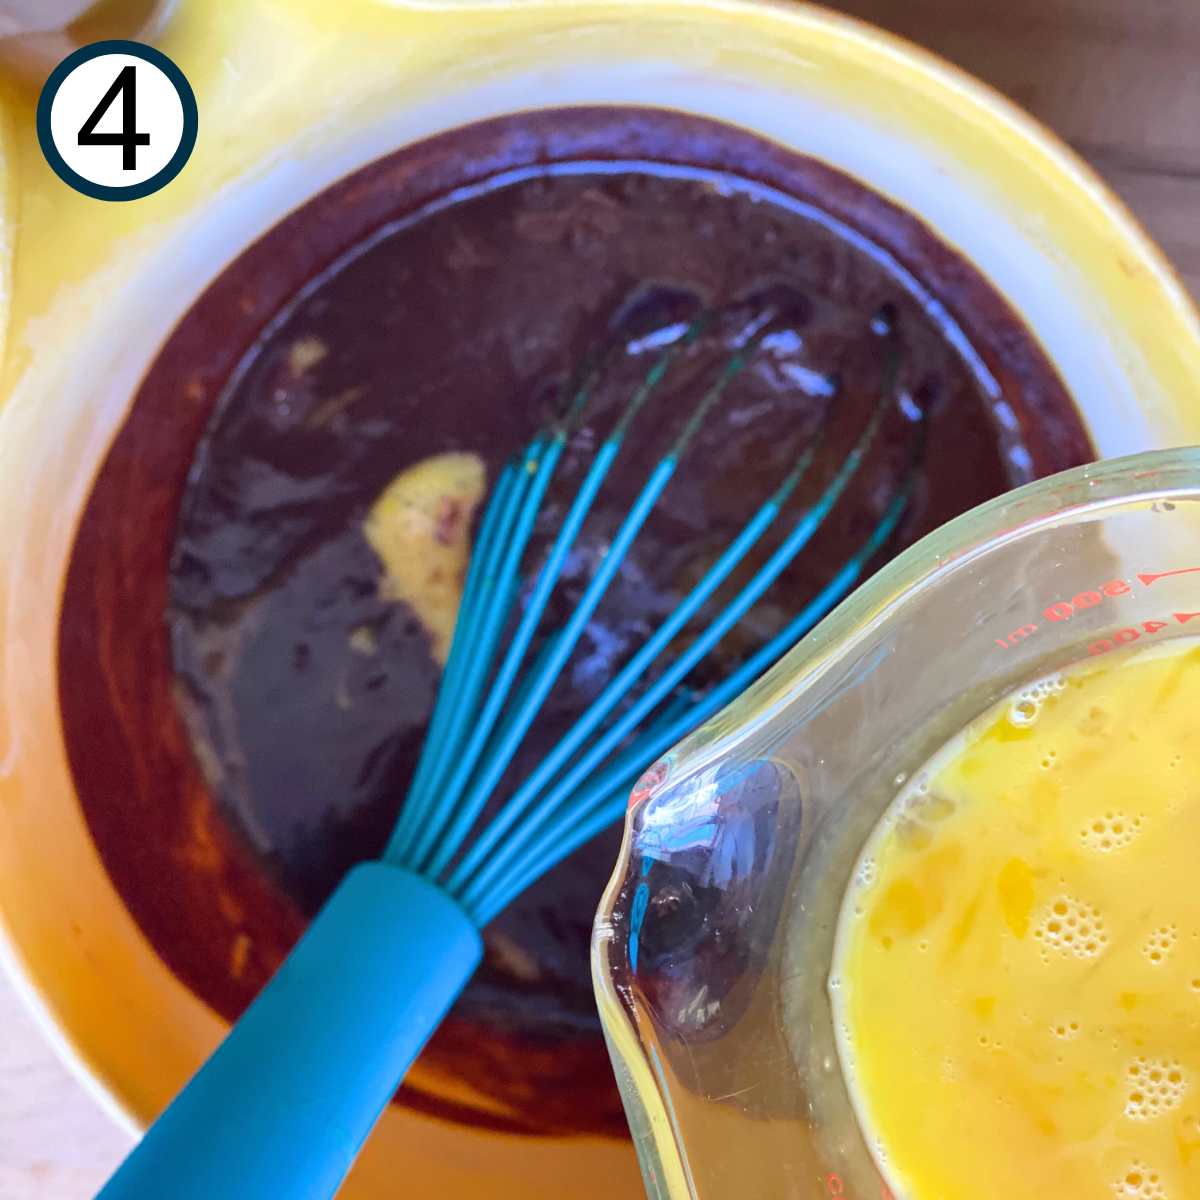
x=284, y=1104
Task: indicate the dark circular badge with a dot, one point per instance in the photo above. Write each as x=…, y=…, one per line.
x=117, y=120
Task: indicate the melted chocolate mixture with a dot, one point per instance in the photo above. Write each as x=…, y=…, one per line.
x=306, y=685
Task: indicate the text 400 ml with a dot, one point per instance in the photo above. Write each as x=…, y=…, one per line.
x=1064, y=610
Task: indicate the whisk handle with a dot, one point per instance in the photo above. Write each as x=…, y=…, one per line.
x=286, y=1101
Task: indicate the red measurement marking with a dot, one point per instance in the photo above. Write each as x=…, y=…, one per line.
x=1064, y=610
x=1123, y=637
x=1017, y=635
x=1150, y=578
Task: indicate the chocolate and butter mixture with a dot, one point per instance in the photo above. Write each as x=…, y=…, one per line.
x=329, y=513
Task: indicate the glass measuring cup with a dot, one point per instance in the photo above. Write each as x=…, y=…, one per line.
x=714, y=939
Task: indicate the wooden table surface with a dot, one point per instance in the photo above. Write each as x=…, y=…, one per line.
x=1119, y=79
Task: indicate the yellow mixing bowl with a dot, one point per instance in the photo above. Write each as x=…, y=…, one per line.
x=292, y=95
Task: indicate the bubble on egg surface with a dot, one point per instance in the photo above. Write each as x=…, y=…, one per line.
x=1026, y=705
x=1070, y=928
x=1154, y=1087
x=1140, y=1182
x=1095, y=843
x=918, y=786
x=1111, y=830
x=1158, y=946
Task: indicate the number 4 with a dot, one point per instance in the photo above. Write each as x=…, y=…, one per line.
x=124, y=85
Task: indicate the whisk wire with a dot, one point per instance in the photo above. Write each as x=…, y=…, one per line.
x=677, y=670
x=485, y=711
x=497, y=595
x=618, y=688
x=494, y=534
x=494, y=764
x=470, y=723
x=491, y=766
x=455, y=701
x=597, y=805
x=539, y=684
x=733, y=365
x=467, y=629
x=656, y=374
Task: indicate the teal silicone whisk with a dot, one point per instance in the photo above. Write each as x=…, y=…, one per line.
x=284, y=1104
